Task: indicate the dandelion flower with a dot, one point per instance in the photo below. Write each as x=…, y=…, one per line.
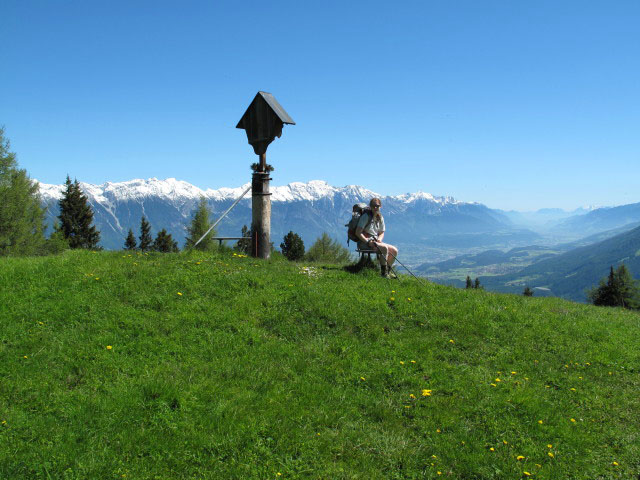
x=550, y=454
x=549, y=445
x=540, y=422
x=615, y=464
x=426, y=393
x=498, y=380
x=438, y=430
x=413, y=361
x=439, y=473
x=408, y=299
x=412, y=396
x=393, y=291
x=433, y=456
x=573, y=389
x=505, y=442
x=401, y=362
x=527, y=474
x=513, y=373
x=407, y=406
x=180, y=293
x=492, y=449
x=109, y=347
x=519, y=457
x=25, y=357
x=362, y=378
x=451, y=341
x=573, y=420
x=494, y=385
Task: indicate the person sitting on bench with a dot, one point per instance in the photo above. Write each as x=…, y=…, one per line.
x=370, y=232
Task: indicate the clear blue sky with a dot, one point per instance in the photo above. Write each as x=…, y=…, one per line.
x=514, y=104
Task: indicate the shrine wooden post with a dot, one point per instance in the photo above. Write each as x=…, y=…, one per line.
x=262, y=122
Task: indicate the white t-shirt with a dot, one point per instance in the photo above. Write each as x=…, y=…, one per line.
x=375, y=227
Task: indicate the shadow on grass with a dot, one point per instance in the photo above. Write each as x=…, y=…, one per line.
x=364, y=264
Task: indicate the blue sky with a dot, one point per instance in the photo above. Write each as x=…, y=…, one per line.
x=514, y=104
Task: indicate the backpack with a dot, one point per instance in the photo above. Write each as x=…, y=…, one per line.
x=358, y=210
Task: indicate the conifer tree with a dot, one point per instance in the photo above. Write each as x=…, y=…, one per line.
x=469, y=283
x=292, y=247
x=21, y=217
x=76, y=218
x=619, y=289
x=244, y=244
x=325, y=249
x=145, y=235
x=164, y=243
x=527, y=292
x=130, y=242
x=199, y=226
x=476, y=284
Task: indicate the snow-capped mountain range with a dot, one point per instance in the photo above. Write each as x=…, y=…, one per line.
x=308, y=209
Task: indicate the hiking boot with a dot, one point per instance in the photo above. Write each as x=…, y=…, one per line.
x=384, y=271
x=391, y=273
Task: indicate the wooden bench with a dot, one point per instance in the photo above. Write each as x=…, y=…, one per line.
x=367, y=252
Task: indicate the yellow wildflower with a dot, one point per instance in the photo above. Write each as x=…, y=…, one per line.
x=362, y=378
x=505, y=442
x=401, y=362
x=109, y=347
x=550, y=454
x=438, y=430
x=519, y=457
x=451, y=341
x=540, y=422
x=413, y=361
x=492, y=449
x=615, y=464
x=494, y=385
x=498, y=380
x=180, y=293
x=25, y=357
x=573, y=420
x=527, y=474
x=426, y=393
x=549, y=445
x=513, y=373
x=412, y=396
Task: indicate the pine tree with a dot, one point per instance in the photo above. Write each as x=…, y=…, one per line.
x=76, y=218
x=145, y=235
x=619, y=289
x=130, y=242
x=244, y=245
x=164, y=243
x=292, y=247
x=469, y=283
x=199, y=226
x=527, y=292
x=21, y=217
x=476, y=284
x=327, y=250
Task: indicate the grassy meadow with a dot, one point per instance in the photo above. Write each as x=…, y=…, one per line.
x=218, y=366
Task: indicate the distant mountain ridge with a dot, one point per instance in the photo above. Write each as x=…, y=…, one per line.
x=306, y=208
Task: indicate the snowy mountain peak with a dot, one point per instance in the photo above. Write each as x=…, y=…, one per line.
x=179, y=190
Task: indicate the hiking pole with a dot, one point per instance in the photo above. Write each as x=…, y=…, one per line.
x=396, y=259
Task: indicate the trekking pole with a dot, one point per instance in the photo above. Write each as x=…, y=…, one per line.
x=407, y=268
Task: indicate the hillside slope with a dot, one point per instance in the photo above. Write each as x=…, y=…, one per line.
x=570, y=274
x=218, y=366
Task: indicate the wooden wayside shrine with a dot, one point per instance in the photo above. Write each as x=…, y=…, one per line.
x=262, y=122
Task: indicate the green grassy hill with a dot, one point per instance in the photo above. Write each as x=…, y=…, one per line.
x=216, y=366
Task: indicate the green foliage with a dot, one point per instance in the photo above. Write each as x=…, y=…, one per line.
x=327, y=250
x=198, y=227
x=244, y=245
x=164, y=243
x=476, y=284
x=76, y=218
x=225, y=367
x=292, y=246
x=527, y=292
x=619, y=289
x=130, y=242
x=21, y=217
x=146, y=241
x=469, y=283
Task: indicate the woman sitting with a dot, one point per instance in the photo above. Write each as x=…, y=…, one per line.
x=370, y=231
